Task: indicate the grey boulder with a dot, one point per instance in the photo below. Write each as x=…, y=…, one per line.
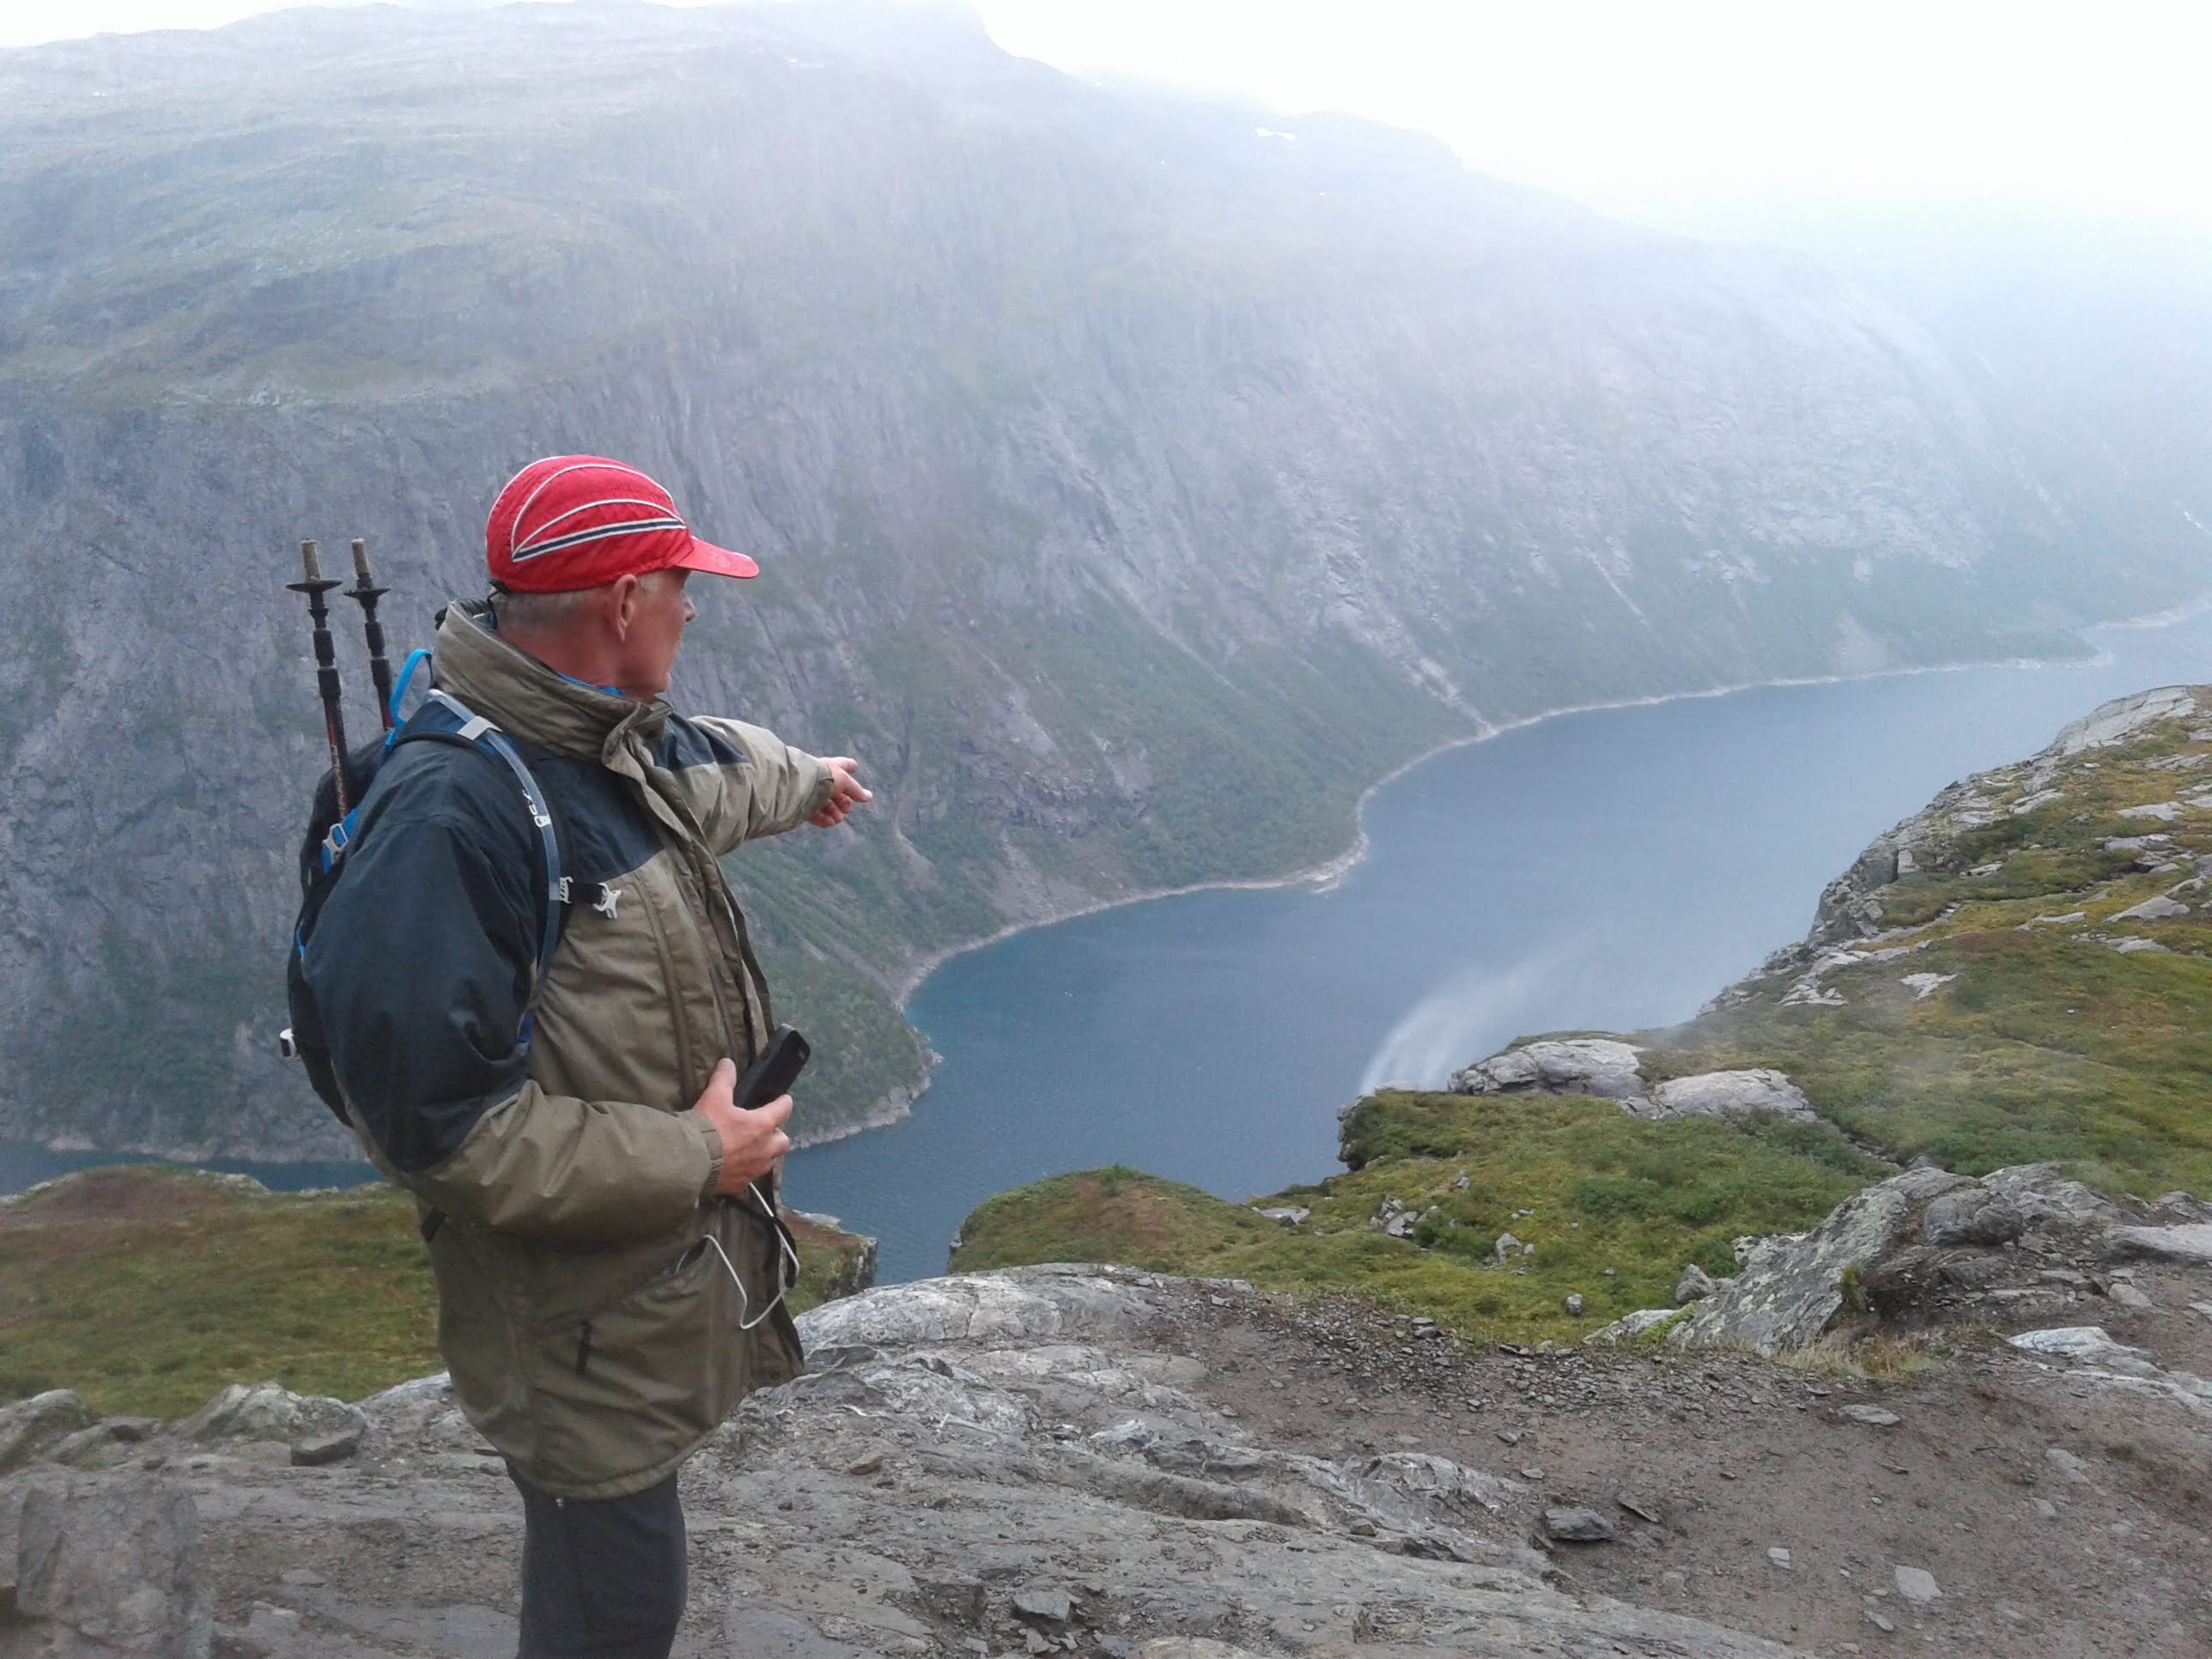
x=1577, y=1526
x=1612, y=1070
x=107, y=1568
x=1572, y=1066
x=1731, y=1094
x=1695, y=1285
x=2192, y=1242
x=1973, y=1215
x=30, y=1427
x=317, y=1429
x=2160, y=908
x=1792, y=1285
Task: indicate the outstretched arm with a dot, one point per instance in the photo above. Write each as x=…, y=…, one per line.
x=744, y=782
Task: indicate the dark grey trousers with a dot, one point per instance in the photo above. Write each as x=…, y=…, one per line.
x=603, y=1577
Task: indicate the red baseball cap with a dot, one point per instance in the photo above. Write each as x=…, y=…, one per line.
x=572, y=521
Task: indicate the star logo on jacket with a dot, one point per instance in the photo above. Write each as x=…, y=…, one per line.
x=609, y=898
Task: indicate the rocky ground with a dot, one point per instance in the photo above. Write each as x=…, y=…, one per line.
x=1099, y=1461
x=1002, y=1463
x=2056, y=1515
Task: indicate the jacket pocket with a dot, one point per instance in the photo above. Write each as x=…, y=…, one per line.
x=629, y=1385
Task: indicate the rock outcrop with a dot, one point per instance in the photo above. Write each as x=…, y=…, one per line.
x=1789, y=1289
x=31, y=1427
x=1853, y=922
x=1613, y=1070
x=102, y=1567
x=1928, y=1248
x=966, y=1462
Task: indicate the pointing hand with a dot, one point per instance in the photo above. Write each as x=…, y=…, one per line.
x=845, y=793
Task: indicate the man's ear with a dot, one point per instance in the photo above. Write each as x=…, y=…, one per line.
x=622, y=605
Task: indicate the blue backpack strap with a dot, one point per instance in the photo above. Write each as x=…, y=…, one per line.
x=476, y=729
x=444, y=717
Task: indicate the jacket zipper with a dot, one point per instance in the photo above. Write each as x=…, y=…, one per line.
x=583, y=1345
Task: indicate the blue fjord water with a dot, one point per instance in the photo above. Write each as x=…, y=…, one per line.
x=1605, y=870
x=1609, y=869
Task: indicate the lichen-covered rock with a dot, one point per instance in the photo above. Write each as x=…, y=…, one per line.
x=1973, y=1215
x=1731, y=1094
x=107, y=1568
x=1613, y=1070
x=1023, y=1303
x=269, y=1411
x=1568, y=1066
x=30, y=1427
x=2045, y=1195
x=104, y=1445
x=1790, y=1285
x=1633, y=1324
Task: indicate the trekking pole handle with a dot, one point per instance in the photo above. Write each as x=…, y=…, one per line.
x=315, y=586
x=365, y=593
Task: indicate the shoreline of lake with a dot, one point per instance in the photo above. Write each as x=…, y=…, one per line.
x=1321, y=876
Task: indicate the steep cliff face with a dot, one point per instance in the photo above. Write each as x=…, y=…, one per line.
x=1132, y=485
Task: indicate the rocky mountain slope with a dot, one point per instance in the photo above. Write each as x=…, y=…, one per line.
x=2093, y=329
x=2019, y=972
x=1110, y=460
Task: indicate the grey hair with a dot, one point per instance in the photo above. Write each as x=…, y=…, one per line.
x=550, y=613
x=539, y=613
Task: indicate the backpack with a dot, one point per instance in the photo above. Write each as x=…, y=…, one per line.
x=444, y=718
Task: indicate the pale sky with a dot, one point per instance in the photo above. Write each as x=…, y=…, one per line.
x=2103, y=104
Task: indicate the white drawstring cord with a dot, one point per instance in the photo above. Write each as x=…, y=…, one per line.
x=784, y=1280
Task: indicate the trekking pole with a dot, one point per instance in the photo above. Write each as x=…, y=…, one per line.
x=326, y=663
x=365, y=593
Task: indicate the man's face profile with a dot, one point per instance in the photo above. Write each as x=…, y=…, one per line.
x=659, y=609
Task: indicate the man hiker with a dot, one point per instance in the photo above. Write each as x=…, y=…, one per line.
x=601, y=1217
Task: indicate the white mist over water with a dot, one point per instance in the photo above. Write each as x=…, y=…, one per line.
x=1468, y=1018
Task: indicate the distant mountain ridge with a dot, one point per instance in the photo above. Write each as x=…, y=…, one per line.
x=1133, y=486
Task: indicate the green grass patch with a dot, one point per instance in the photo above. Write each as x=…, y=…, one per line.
x=1591, y=1188
x=147, y=1290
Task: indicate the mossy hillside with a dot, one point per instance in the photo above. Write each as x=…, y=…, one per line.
x=2045, y=1039
x=146, y=1289
x=1590, y=1188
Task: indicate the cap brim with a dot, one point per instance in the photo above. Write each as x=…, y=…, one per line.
x=715, y=560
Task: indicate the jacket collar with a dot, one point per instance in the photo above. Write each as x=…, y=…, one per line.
x=530, y=701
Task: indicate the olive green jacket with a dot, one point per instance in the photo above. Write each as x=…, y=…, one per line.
x=592, y=1330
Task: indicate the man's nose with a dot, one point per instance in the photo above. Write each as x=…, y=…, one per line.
x=690, y=610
